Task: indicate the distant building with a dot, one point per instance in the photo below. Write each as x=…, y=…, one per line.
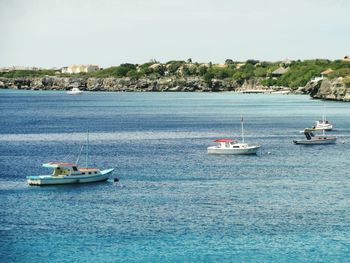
x=287, y=61
x=346, y=58
x=316, y=79
x=327, y=72
x=239, y=65
x=73, y=69
x=279, y=72
x=13, y=68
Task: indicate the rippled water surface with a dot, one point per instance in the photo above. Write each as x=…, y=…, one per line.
x=173, y=203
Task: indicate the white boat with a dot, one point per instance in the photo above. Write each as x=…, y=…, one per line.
x=323, y=124
x=311, y=139
x=231, y=147
x=69, y=173
x=75, y=91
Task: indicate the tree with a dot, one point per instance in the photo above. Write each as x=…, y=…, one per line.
x=173, y=66
x=252, y=61
x=201, y=70
x=128, y=66
x=160, y=69
x=208, y=77
x=229, y=61
x=133, y=74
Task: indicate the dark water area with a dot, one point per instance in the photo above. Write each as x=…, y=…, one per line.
x=173, y=202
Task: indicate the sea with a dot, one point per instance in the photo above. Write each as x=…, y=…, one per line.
x=167, y=199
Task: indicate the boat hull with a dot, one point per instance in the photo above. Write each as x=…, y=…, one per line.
x=233, y=151
x=74, y=92
x=326, y=128
x=56, y=180
x=316, y=142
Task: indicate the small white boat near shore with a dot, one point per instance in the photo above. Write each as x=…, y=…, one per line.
x=231, y=147
x=312, y=139
x=75, y=91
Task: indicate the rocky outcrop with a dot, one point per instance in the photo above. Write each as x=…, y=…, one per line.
x=120, y=84
x=327, y=89
x=331, y=90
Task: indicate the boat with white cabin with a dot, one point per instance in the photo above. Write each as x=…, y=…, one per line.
x=232, y=147
x=70, y=173
x=312, y=139
x=323, y=124
x=75, y=91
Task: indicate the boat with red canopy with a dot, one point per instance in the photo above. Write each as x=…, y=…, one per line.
x=230, y=146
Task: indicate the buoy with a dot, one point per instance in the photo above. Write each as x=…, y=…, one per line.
x=268, y=153
x=116, y=179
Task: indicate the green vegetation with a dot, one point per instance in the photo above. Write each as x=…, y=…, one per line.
x=298, y=72
x=27, y=73
x=346, y=81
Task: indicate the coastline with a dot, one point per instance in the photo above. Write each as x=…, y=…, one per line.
x=325, y=89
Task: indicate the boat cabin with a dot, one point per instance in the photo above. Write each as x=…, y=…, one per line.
x=64, y=169
x=323, y=122
x=225, y=143
x=308, y=132
x=312, y=139
x=309, y=135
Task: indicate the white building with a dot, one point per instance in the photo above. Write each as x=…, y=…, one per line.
x=13, y=68
x=73, y=69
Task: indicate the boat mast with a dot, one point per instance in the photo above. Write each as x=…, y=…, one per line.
x=324, y=118
x=81, y=150
x=242, y=129
x=324, y=114
x=87, y=149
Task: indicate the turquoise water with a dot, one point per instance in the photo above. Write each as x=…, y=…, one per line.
x=173, y=203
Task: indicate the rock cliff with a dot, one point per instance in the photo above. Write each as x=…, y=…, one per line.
x=119, y=84
x=327, y=89
x=331, y=90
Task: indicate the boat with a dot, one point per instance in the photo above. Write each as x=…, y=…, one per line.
x=75, y=91
x=323, y=124
x=232, y=147
x=70, y=173
x=312, y=139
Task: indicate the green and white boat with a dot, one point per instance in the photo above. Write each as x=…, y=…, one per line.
x=70, y=173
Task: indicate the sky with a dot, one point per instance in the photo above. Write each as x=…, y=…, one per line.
x=57, y=33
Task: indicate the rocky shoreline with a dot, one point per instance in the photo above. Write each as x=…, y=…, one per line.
x=194, y=84
x=326, y=89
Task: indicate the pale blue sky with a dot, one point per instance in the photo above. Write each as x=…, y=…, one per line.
x=55, y=33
